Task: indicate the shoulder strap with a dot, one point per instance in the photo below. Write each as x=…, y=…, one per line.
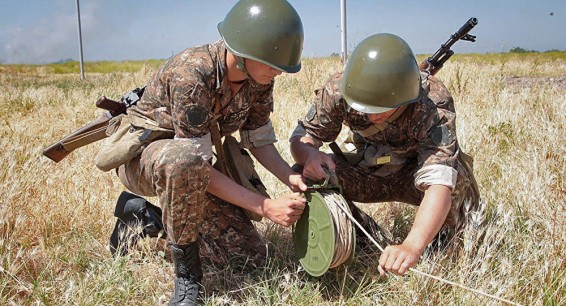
x=217, y=138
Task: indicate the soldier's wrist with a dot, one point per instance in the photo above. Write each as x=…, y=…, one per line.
x=264, y=206
x=417, y=247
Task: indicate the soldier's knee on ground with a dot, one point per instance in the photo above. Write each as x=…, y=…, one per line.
x=469, y=214
x=466, y=219
x=468, y=211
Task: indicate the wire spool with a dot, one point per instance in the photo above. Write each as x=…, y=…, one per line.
x=324, y=236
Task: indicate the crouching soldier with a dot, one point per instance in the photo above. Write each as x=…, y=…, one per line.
x=230, y=83
x=405, y=148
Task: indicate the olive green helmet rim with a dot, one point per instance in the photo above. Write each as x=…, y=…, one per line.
x=287, y=69
x=372, y=109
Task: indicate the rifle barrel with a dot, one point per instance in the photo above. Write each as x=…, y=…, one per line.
x=437, y=60
x=462, y=33
x=469, y=25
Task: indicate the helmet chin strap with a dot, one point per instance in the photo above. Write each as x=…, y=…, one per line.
x=240, y=65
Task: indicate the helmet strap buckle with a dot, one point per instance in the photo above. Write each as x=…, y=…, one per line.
x=241, y=66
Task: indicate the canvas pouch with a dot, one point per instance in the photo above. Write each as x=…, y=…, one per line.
x=127, y=139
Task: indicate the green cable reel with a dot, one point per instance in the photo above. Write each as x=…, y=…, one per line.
x=314, y=234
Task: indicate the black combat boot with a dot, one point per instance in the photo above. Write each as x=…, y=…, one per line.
x=188, y=274
x=137, y=218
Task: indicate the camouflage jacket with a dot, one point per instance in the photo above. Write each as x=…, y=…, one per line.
x=182, y=96
x=425, y=132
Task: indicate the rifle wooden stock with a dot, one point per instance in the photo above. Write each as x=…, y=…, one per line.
x=93, y=131
x=114, y=107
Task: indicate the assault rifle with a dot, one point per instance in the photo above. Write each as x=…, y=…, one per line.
x=95, y=130
x=437, y=60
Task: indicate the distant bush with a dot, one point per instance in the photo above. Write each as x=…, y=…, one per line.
x=520, y=50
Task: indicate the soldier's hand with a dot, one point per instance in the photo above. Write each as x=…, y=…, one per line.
x=297, y=183
x=398, y=259
x=286, y=209
x=314, y=166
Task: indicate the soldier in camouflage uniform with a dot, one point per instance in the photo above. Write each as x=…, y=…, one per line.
x=232, y=81
x=403, y=128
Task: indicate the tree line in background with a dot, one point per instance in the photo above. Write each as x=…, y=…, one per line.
x=512, y=50
x=521, y=50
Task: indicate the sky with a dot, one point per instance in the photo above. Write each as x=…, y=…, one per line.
x=44, y=31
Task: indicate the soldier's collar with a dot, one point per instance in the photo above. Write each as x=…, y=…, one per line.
x=375, y=128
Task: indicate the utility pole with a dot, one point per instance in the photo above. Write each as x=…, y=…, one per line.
x=80, y=42
x=344, y=53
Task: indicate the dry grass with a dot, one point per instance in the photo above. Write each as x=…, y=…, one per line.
x=55, y=219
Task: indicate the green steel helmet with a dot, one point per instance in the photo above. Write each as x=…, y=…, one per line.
x=382, y=73
x=268, y=31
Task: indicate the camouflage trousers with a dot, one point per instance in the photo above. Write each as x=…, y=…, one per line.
x=170, y=170
x=360, y=185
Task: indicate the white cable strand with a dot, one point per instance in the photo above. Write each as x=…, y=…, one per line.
x=346, y=211
x=343, y=230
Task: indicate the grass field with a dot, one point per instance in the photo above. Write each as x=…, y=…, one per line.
x=55, y=219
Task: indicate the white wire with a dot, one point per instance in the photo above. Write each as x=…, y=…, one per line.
x=343, y=229
x=347, y=212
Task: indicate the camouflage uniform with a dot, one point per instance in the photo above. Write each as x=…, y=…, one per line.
x=402, y=157
x=182, y=96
